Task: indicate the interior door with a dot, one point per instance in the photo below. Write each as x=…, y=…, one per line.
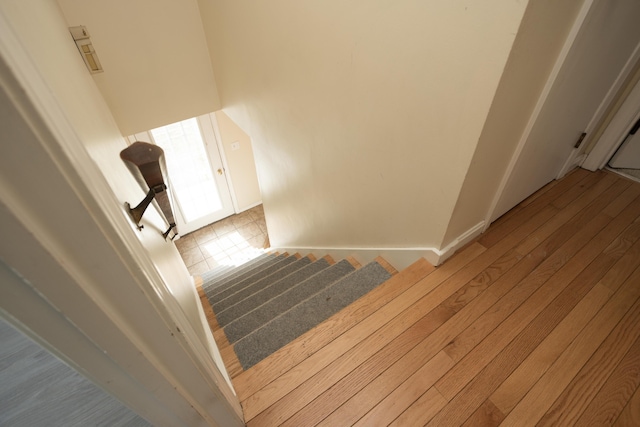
x=602, y=47
x=197, y=176
x=628, y=155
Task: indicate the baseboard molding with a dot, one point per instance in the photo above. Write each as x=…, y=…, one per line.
x=573, y=161
x=246, y=208
x=460, y=241
x=400, y=258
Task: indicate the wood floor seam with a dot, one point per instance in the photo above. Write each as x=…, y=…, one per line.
x=536, y=321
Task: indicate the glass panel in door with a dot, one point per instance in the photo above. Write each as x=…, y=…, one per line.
x=201, y=195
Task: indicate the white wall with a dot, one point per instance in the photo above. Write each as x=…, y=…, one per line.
x=64, y=73
x=544, y=28
x=71, y=83
x=241, y=163
x=364, y=115
x=156, y=64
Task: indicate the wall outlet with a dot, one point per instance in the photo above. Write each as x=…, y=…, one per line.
x=235, y=145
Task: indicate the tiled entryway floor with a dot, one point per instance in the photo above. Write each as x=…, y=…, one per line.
x=231, y=241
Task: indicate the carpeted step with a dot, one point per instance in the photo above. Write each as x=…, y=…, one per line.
x=219, y=271
x=230, y=269
x=222, y=304
x=264, y=295
x=309, y=313
x=212, y=281
x=240, y=285
x=279, y=297
x=231, y=281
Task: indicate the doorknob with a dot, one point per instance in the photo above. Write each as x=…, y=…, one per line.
x=219, y=171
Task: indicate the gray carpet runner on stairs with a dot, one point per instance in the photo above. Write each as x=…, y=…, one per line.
x=268, y=302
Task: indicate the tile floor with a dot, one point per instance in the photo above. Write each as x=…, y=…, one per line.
x=231, y=241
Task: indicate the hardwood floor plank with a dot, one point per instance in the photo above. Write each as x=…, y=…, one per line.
x=400, y=371
x=534, y=293
x=412, y=361
x=334, y=396
x=428, y=294
x=569, y=220
x=537, y=321
x=231, y=362
x=481, y=384
x=612, y=397
x=483, y=281
x=630, y=415
x=630, y=193
x=395, y=375
x=455, y=379
x=385, y=264
x=399, y=399
x=587, y=182
x=541, y=396
x=310, y=366
x=486, y=415
x=266, y=371
x=615, y=277
x=468, y=339
x=512, y=219
x=422, y=410
x=578, y=394
x=511, y=391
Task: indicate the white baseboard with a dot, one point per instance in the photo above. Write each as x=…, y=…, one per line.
x=400, y=258
x=246, y=208
x=460, y=241
x=573, y=161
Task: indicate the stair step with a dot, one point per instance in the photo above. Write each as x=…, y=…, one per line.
x=318, y=337
x=241, y=284
x=232, y=280
x=263, y=307
x=217, y=280
x=265, y=281
x=264, y=295
x=217, y=272
x=210, y=275
x=302, y=317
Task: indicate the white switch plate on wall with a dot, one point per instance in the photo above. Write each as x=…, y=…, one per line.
x=235, y=145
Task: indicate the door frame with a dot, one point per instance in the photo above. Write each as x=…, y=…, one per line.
x=207, y=124
x=598, y=156
x=157, y=365
x=616, y=130
x=555, y=71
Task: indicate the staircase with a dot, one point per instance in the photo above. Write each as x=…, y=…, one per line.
x=262, y=305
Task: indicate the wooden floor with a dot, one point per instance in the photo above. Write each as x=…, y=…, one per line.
x=535, y=323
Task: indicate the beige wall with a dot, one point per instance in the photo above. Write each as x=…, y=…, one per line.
x=364, y=115
x=544, y=29
x=58, y=61
x=242, y=167
x=156, y=65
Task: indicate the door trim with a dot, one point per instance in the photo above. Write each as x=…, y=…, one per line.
x=571, y=38
x=223, y=156
x=207, y=126
x=616, y=131
x=144, y=358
